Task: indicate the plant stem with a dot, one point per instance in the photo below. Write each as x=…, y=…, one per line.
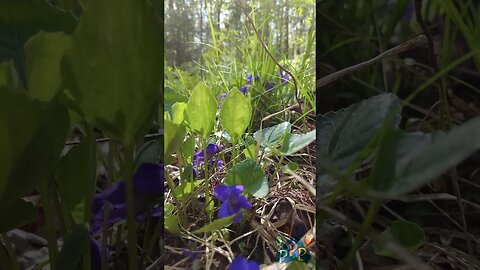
x=207, y=186
x=181, y=213
x=132, y=236
x=87, y=264
x=372, y=211
x=49, y=217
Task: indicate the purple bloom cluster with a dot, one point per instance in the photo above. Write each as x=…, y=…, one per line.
x=147, y=182
x=232, y=201
x=199, y=158
x=268, y=86
x=240, y=263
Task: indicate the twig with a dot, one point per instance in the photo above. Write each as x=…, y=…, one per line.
x=412, y=43
x=147, y=137
x=421, y=22
x=269, y=54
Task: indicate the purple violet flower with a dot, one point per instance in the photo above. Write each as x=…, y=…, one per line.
x=248, y=78
x=223, y=95
x=240, y=263
x=198, y=158
x=147, y=182
x=232, y=201
x=244, y=89
x=268, y=86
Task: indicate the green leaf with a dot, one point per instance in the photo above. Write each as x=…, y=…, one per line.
x=17, y=215
x=235, y=114
x=30, y=143
x=168, y=209
x=292, y=166
x=186, y=188
x=173, y=137
x=149, y=153
x=44, y=52
x=271, y=136
x=216, y=224
x=113, y=68
x=422, y=157
x=171, y=224
x=249, y=174
x=178, y=110
x=19, y=20
x=76, y=175
x=171, y=97
x=201, y=110
x=74, y=247
x=188, y=147
x=342, y=135
x=294, y=142
x=407, y=234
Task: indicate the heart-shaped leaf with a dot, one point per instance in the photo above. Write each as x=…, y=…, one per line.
x=294, y=142
x=235, y=114
x=250, y=175
x=271, y=136
x=342, y=134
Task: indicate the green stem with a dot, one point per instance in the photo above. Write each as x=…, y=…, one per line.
x=207, y=186
x=154, y=237
x=87, y=264
x=181, y=212
x=51, y=235
x=367, y=222
x=103, y=253
x=132, y=235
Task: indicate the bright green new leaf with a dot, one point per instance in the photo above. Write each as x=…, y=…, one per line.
x=216, y=224
x=235, y=114
x=294, y=142
x=201, y=110
x=171, y=224
x=18, y=214
x=113, y=67
x=43, y=53
x=178, y=110
x=407, y=234
x=249, y=174
x=173, y=137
